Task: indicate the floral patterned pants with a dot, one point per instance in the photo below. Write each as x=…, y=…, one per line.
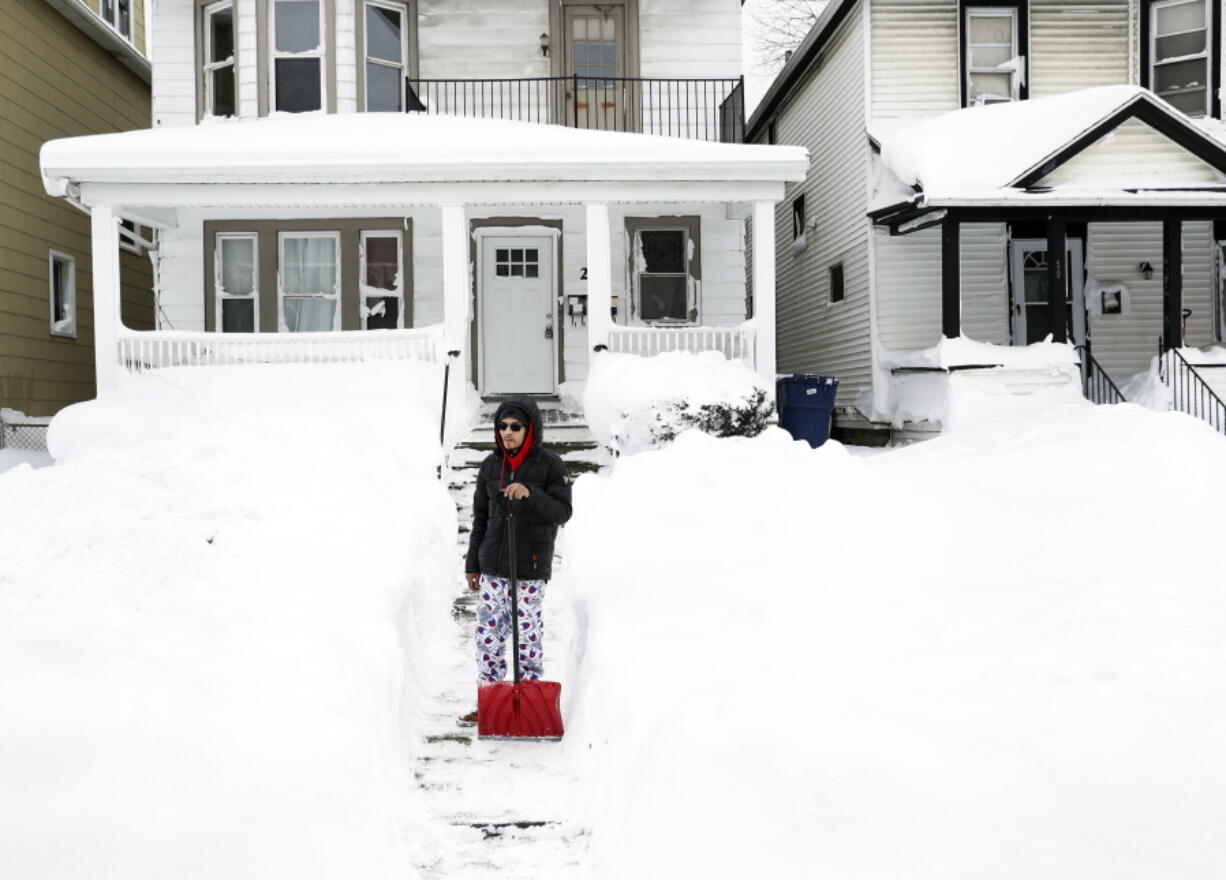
x=494, y=629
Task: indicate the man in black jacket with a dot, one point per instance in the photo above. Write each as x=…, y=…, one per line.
x=520, y=472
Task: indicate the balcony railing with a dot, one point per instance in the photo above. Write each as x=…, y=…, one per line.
x=700, y=109
x=734, y=343
x=150, y=350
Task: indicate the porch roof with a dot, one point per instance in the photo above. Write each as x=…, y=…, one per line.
x=402, y=148
x=1018, y=155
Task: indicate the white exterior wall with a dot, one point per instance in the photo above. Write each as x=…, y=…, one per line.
x=909, y=286
x=173, y=58
x=826, y=114
x=1078, y=45
x=481, y=39
x=1125, y=344
x=698, y=39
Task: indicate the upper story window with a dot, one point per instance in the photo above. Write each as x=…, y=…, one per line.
x=296, y=37
x=993, y=53
x=217, y=82
x=383, y=54
x=1179, y=52
x=118, y=14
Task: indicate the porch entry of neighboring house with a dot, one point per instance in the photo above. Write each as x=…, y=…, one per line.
x=516, y=297
x=1028, y=264
x=595, y=53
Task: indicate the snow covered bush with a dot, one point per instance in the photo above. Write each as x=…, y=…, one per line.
x=635, y=403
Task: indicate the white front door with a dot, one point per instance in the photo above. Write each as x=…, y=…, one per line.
x=1030, y=295
x=517, y=314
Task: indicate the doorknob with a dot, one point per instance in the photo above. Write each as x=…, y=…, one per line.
x=549, y=325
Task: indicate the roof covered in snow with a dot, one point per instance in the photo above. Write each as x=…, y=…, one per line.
x=1013, y=151
x=402, y=148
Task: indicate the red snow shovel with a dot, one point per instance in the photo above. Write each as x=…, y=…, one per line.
x=519, y=709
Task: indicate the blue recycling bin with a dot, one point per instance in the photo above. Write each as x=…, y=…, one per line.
x=805, y=403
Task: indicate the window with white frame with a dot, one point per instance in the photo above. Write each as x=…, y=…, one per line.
x=661, y=278
x=218, y=80
x=308, y=281
x=385, y=54
x=298, y=55
x=1179, y=54
x=118, y=14
x=381, y=279
x=62, y=293
x=236, y=260
x=993, y=59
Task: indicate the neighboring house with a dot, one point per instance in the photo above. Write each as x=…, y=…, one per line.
x=943, y=184
x=67, y=68
x=326, y=181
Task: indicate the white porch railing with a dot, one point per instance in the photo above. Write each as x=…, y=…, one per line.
x=734, y=343
x=151, y=350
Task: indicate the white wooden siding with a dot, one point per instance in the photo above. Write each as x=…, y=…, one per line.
x=827, y=115
x=915, y=57
x=481, y=39
x=174, y=63
x=1134, y=154
x=909, y=286
x=1077, y=45
x=1125, y=344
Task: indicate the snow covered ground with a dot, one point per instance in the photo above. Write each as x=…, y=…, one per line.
x=215, y=625
x=993, y=654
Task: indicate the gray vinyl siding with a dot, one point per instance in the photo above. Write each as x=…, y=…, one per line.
x=826, y=115
x=909, y=286
x=1077, y=45
x=1125, y=344
x=915, y=58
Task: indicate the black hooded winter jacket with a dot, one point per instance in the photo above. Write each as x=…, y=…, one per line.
x=537, y=517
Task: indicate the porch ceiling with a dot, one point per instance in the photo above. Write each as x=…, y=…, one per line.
x=409, y=158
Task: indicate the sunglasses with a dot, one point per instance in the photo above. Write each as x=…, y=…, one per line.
x=510, y=426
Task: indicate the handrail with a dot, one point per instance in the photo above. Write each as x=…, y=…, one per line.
x=709, y=109
x=140, y=350
x=1190, y=393
x=734, y=343
x=1096, y=385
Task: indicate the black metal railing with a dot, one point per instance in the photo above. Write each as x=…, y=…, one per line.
x=699, y=109
x=1096, y=385
x=1189, y=392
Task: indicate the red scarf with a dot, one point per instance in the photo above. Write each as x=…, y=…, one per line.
x=517, y=458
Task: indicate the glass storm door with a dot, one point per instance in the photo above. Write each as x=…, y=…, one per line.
x=1031, y=295
x=517, y=315
x=595, y=56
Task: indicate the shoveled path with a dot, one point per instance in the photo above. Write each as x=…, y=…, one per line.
x=508, y=810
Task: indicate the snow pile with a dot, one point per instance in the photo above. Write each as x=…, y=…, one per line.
x=994, y=654
x=634, y=403
x=218, y=611
x=948, y=384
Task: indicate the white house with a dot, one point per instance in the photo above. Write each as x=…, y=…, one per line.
x=515, y=182
x=957, y=145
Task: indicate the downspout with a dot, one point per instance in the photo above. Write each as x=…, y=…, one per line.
x=879, y=389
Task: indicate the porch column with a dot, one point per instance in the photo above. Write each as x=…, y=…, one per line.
x=104, y=243
x=764, y=292
x=951, y=278
x=1172, y=284
x=599, y=277
x=456, y=295
x=1057, y=279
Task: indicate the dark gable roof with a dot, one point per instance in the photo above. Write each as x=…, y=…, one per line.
x=797, y=67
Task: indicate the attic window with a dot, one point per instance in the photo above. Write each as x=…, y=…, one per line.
x=993, y=54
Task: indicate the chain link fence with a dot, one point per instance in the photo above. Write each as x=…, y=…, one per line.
x=30, y=436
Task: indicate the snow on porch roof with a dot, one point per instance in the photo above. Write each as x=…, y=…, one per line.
x=986, y=153
x=402, y=148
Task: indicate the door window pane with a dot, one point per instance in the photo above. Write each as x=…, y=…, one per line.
x=384, y=86
x=298, y=84
x=383, y=34
x=297, y=28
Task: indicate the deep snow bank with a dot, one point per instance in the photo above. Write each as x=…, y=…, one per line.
x=994, y=654
x=217, y=612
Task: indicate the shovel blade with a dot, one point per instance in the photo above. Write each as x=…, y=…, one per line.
x=528, y=710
